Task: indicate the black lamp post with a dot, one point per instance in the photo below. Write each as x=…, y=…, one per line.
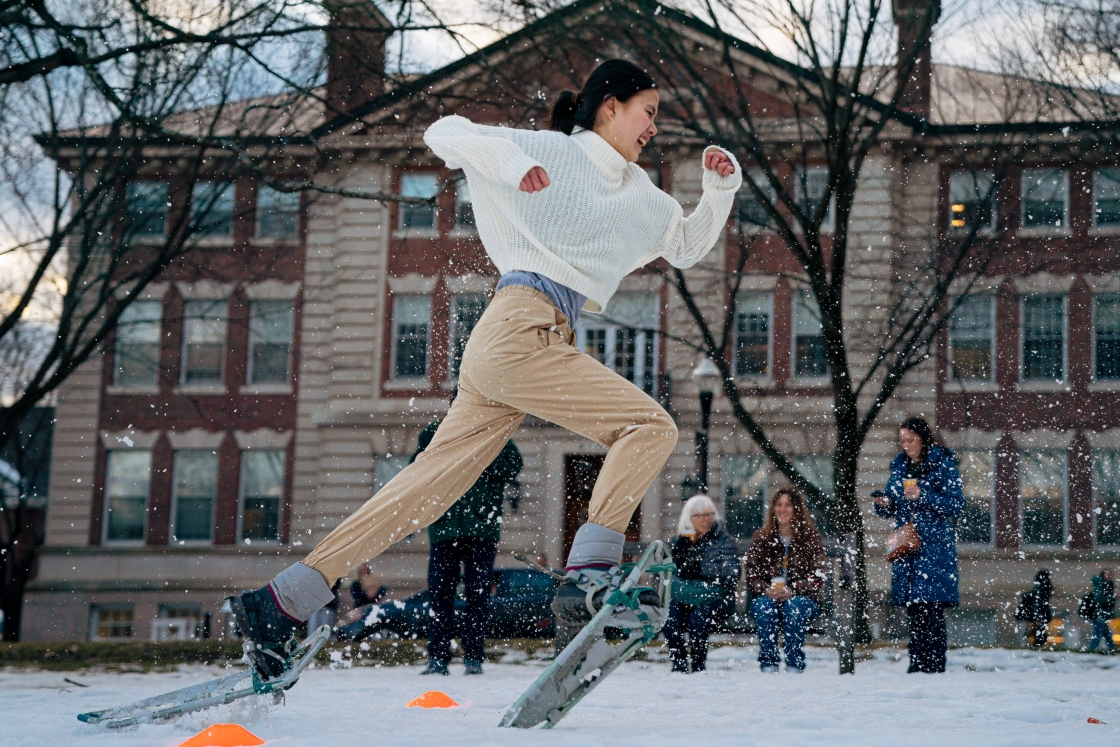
x=706, y=376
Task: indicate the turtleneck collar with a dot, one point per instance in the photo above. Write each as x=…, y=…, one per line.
x=602, y=154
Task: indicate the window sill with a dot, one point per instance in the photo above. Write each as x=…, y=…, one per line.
x=754, y=382
x=190, y=543
x=200, y=389
x=448, y=384
x=265, y=389
x=406, y=385
x=254, y=543
x=208, y=242
x=416, y=233
x=962, y=233
x=148, y=241
x=124, y=543
x=1044, y=233
x=463, y=233
x=274, y=241
x=1043, y=386
x=806, y=382
x=1110, y=230
x=970, y=385
x=118, y=390
x=1107, y=385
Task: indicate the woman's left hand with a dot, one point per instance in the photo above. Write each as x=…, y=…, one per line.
x=913, y=494
x=717, y=161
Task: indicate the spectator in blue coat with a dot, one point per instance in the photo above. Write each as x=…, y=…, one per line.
x=924, y=488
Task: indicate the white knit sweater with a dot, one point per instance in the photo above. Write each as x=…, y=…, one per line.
x=601, y=218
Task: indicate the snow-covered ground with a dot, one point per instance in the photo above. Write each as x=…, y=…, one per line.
x=989, y=697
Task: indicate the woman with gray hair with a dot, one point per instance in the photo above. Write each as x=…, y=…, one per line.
x=708, y=569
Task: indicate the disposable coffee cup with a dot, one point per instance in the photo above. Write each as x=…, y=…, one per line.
x=909, y=483
x=778, y=582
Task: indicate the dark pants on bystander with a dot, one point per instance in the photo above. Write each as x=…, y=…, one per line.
x=476, y=556
x=928, y=637
x=694, y=619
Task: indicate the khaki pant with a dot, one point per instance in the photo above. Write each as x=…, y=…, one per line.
x=519, y=359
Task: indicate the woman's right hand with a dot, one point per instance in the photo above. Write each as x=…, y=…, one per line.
x=535, y=180
x=882, y=501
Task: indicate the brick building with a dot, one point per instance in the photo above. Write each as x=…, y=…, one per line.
x=250, y=408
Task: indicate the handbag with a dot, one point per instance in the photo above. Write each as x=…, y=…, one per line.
x=903, y=541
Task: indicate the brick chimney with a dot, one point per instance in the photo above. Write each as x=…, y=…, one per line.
x=915, y=20
x=356, y=41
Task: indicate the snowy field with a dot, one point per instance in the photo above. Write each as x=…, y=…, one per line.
x=989, y=697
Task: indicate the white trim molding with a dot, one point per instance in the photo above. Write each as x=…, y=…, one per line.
x=1109, y=283
x=196, y=438
x=640, y=283
x=151, y=292
x=122, y=440
x=272, y=289
x=205, y=290
x=1043, y=438
x=971, y=438
x=758, y=283
x=981, y=284
x=1044, y=282
x=262, y=438
x=413, y=282
x=458, y=284
x=1106, y=439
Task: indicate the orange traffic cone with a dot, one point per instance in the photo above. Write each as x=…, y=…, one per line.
x=224, y=735
x=433, y=699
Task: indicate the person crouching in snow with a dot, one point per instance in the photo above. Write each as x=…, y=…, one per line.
x=786, y=569
x=564, y=215
x=707, y=574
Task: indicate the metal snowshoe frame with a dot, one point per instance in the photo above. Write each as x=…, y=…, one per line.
x=208, y=694
x=590, y=657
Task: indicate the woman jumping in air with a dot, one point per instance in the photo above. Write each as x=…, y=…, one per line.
x=564, y=215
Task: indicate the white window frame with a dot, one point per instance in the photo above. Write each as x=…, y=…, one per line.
x=106, y=500
x=949, y=344
x=612, y=328
x=1024, y=229
x=221, y=382
x=452, y=329
x=1094, y=516
x=95, y=610
x=152, y=237
x=828, y=225
x=980, y=230
x=201, y=236
x=992, y=453
x=1023, y=341
x=1064, y=544
x=258, y=215
x=250, y=344
x=159, y=345
x=1096, y=227
x=419, y=231
x=1093, y=336
x=725, y=483
x=795, y=377
x=758, y=176
x=768, y=297
x=175, y=501
x=393, y=339
x=462, y=188
x=239, y=539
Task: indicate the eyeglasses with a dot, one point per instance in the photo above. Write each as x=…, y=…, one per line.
x=706, y=515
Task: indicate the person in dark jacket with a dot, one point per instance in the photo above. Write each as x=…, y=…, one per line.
x=925, y=488
x=467, y=535
x=707, y=561
x=1103, y=598
x=1035, y=610
x=786, y=569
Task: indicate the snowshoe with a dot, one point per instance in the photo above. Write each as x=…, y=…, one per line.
x=623, y=623
x=216, y=692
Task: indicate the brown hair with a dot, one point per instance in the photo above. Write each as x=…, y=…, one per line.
x=803, y=526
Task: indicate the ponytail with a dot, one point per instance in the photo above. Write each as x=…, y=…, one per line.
x=617, y=78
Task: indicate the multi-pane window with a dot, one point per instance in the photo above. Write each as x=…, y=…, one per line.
x=972, y=200
x=1106, y=496
x=110, y=622
x=418, y=216
x=977, y=468
x=262, y=487
x=270, y=342
x=752, y=209
x=277, y=213
x=464, y=207
x=972, y=339
x=137, y=345
x=127, y=477
x=1045, y=198
x=623, y=338
x=196, y=489
x=817, y=469
x=412, y=319
x=1106, y=197
x=1042, y=487
x=1106, y=337
x=204, y=341
x=753, y=325
x=212, y=209
x=1044, y=338
x=466, y=310
x=146, y=206
x=809, y=357
x=744, y=494
x=812, y=184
